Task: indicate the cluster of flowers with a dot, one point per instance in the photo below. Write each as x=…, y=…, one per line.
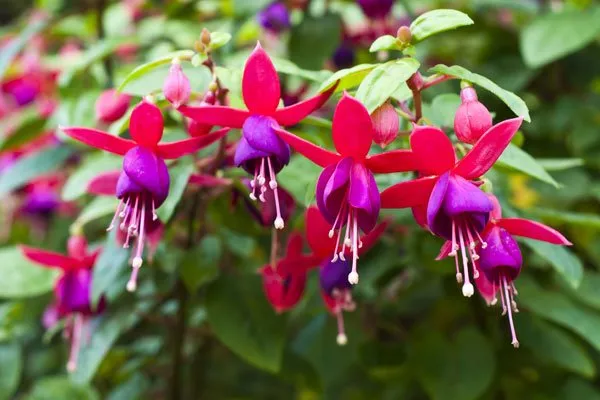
x=446, y=197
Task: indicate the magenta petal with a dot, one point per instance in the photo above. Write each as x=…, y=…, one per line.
x=73, y=291
x=335, y=191
x=104, y=184
x=215, y=115
x=51, y=316
x=334, y=275
x=148, y=171
x=295, y=113
x=259, y=131
x=533, y=230
x=486, y=289
x=501, y=255
x=100, y=140
x=126, y=186
x=463, y=196
x=364, y=197
x=260, y=83
x=246, y=156
x=320, y=192
x=352, y=128
x=146, y=124
x=437, y=220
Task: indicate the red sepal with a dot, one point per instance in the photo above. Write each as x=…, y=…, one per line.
x=392, y=161
x=184, y=147
x=295, y=113
x=433, y=150
x=311, y=151
x=408, y=194
x=100, y=140
x=533, y=230
x=215, y=115
x=49, y=258
x=104, y=184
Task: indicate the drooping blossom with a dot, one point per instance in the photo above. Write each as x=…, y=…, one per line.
x=275, y=17
x=266, y=212
x=501, y=261
x=111, y=105
x=177, y=88
x=72, y=290
x=346, y=192
x=260, y=151
x=143, y=184
x=446, y=199
x=472, y=119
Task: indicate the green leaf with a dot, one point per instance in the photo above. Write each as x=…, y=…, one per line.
x=109, y=267
x=146, y=68
x=587, y=292
x=585, y=220
x=576, y=389
x=61, y=388
x=436, y=21
x=201, y=264
x=92, y=165
x=284, y=66
x=553, y=345
x=21, y=278
x=516, y=159
x=558, y=308
x=12, y=48
x=180, y=176
x=300, y=178
x=555, y=35
x=151, y=81
x=32, y=166
x=242, y=319
x=348, y=78
x=514, y=102
x=562, y=260
x=385, y=42
x=31, y=128
x=559, y=164
x=219, y=39
x=384, y=81
x=459, y=370
x=10, y=374
x=443, y=108
x=97, y=208
x=314, y=40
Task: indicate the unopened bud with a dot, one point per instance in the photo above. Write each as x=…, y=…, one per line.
x=205, y=37
x=77, y=247
x=177, y=87
x=385, y=124
x=111, y=105
x=209, y=97
x=199, y=46
x=472, y=119
x=404, y=35
x=213, y=87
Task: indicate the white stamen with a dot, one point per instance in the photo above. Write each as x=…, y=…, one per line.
x=331, y=233
x=273, y=184
x=279, y=224
x=137, y=262
x=342, y=339
x=353, y=277
x=468, y=290
x=253, y=196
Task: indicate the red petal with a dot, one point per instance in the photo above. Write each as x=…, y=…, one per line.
x=445, y=250
x=408, y=194
x=295, y=113
x=204, y=180
x=299, y=265
x=420, y=215
x=311, y=151
x=533, y=230
x=488, y=149
x=48, y=258
x=104, y=184
x=215, y=115
x=433, y=150
x=352, y=128
x=372, y=237
x=100, y=140
x=187, y=146
x=317, y=233
x=90, y=260
x=260, y=83
x=294, y=245
x=393, y=161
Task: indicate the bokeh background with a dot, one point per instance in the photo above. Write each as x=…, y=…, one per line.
x=413, y=335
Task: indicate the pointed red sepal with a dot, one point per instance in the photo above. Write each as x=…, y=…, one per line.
x=294, y=245
x=408, y=194
x=392, y=161
x=433, y=150
x=181, y=148
x=100, y=140
x=352, y=128
x=90, y=259
x=488, y=149
x=533, y=230
x=444, y=251
x=369, y=240
x=216, y=115
x=204, y=180
x=260, y=83
x=299, y=265
x=104, y=184
x=311, y=151
x=293, y=114
x=317, y=233
x=49, y=258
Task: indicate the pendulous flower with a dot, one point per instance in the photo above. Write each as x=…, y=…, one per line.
x=446, y=199
x=143, y=184
x=385, y=124
x=177, y=88
x=260, y=151
x=346, y=192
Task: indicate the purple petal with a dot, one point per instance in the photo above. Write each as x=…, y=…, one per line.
x=73, y=291
x=258, y=131
x=247, y=156
x=336, y=188
x=41, y=201
x=334, y=275
x=437, y=220
x=148, y=171
x=463, y=196
x=364, y=196
x=501, y=255
x=320, y=192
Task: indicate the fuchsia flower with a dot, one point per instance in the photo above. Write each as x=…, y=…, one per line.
x=347, y=194
x=71, y=291
x=501, y=260
x=260, y=151
x=472, y=119
x=143, y=184
x=177, y=87
x=446, y=199
x=111, y=105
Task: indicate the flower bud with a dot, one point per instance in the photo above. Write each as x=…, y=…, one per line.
x=77, y=247
x=111, y=106
x=385, y=124
x=472, y=119
x=404, y=35
x=205, y=36
x=177, y=87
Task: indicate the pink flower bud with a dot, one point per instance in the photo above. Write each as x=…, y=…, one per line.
x=177, y=87
x=111, y=106
x=77, y=247
x=385, y=124
x=472, y=119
